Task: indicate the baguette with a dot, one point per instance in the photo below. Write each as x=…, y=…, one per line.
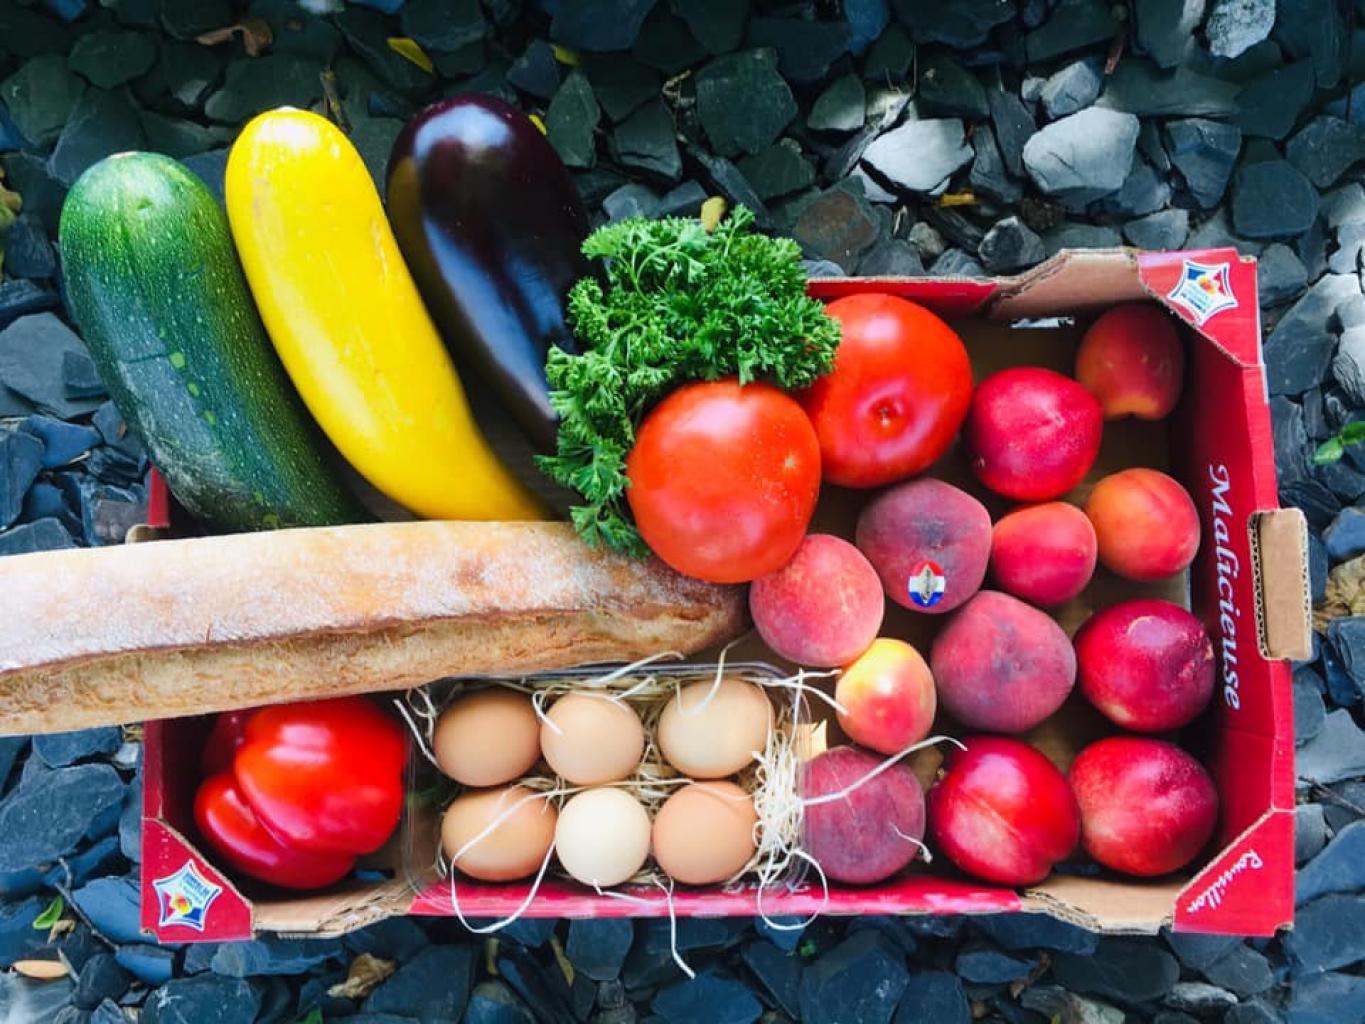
x=183, y=627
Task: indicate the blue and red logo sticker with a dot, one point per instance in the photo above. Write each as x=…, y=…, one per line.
x=185, y=897
x=926, y=584
x=1203, y=289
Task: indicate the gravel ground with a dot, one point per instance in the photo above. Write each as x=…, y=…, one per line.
x=916, y=136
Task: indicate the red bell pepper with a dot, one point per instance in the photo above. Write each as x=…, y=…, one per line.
x=228, y=733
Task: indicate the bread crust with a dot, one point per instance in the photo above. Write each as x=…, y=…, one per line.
x=182, y=627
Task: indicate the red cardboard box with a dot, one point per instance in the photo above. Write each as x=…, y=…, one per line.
x=1248, y=585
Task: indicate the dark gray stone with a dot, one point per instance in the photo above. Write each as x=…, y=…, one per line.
x=778, y=170
x=1010, y=245
x=571, y=120
x=890, y=58
x=1196, y=951
x=270, y=955
x=395, y=938
x=1270, y=104
x=601, y=25
x=1336, y=753
x=743, y=102
x=935, y=996
x=206, y=999
x=1327, y=999
x=368, y=33
x=1272, y=199
x=1162, y=231
x=1307, y=29
x=986, y=966
x=919, y=156
x=18, y=938
x=1317, y=561
x=1139, y=87
x=27, y=252
x=988, y=174
x=492, y=1002
x=60, y=749
x=717, y=24
x=101, y=978
x=1299, y=349
x=1165, y=29
x=1204, y=152
x=1035, y=931
x=1345, y=538
x=1344, y=206
x=432, y=987
x=21, y=460
x=1310, y=832
x=891, y=257
x=40, y=97
x=51, y=810
x=961, y=24
x=1074, y=87
x=683, y=201
x=778, y=971
x=1350, y=247
x=45, y=534
x=647, y=141
x=1325, y=148
x=947, y=89
x=1199, y=997
x=666, y=45
x=630, y=200
x=1091, y=150
x=1244, y=971
x=1328, y=933
x=1309, y=709
x=1074, y=25
x=1338, y=868
x=1291, y=443
x=1120, y=969
x=102, y=123
x=861, y=979
x=274, y=80
x=445, y=25
x=1234, y=26
x=710, y=998
x=1014, y=126
x=110, y=59
x=805, y=49
x=842, y=107
x=536, y=71
x=1080, y=236
x=1280, y=275
x=1142, y=192
x=598, y=946
x=837, y=224
x=726, y=177
x=621, y=85
x=1057, y=1004
x=111, y=906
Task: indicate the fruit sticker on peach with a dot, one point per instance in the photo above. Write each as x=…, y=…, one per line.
x=1204, y=290
x=926, y=584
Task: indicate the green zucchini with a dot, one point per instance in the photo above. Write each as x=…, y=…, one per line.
x=154, y=283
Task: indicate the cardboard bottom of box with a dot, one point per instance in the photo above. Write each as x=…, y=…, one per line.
x=1243, y=884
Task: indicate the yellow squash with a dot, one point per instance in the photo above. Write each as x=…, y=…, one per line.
x=348, y=324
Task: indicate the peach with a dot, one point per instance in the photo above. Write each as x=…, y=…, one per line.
x=1043, y=553
x=1002, y=811
x=887, y=697
x=1147, y=665
x=929, y=542
x=1032, y=434
x=1145, y=523
x=1002, y=665
x=1147, y=807
x=1131, y=360
x=823, y=608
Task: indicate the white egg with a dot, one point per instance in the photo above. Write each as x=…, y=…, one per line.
x=602, y=837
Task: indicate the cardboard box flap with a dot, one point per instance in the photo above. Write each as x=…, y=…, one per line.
x=1074, y=279
x=335, y=911
x=1106, y=905
x=1284, y=608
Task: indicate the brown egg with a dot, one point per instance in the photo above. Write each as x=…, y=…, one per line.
x=719, y=738
x=487, y=737
x=515, y=848
x=704, y=832
x=603, y=836
x=593, y=740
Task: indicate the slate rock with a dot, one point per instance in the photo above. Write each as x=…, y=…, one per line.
x=1071, y=88
x=919, y=156
x=726, y=177
x=947, y=89
x=1306, y=28
x=110, y=59
x=190, y=71
x=1327, y=999
x=570, y=121
x=956, y=263
x=599, y=25
x=21, y=460
x=1325, y=147
x=836, y=225
x=27, y=251
x=101, y=978
x=743, y=102
x=935, y=996
x=102, y=123
x=1073, y=25
x=543, y=988
x=492, y=1002
x=1199, y=997
x=1338, y=868
x=630, y=200
x=1299, y=349
x=1272, y=200
x=443, y=24
x=1309, y=709
x=1010, y=245
x=1234, y=26
x=860, y=979
x=185, y=19
x=778, y=170
x=681, y=201
x=1121, y=969
x=646, y=141
x=1196, y=951
x=1035, y=931
x=1270, y=104
x=270, y=955
x=1310, y=833
x=717, y=24
x=621, y=85
x=111, y=905
x=1014, y=126
x=1165, y=230
x=20, y=298
x=1091, y=150
x=1280, y=275
x=711, y=998
x=961, y=24
x=1345, y=537
x=531, y=932
x=1057, y=1004
x=598, y=946
x=1139, y=87
x=805, y=48
x=60, y=749
x=1204, y=152
x=44, y=534
x=1336, y=753
x=842, y=107
x=40, y=97
x=18, y=938
x=778, y=971
x=986, y=966
x=432, y=987
x=1328, y=933
x=536, y=71
x=395, y=938
x=368, y=33
x=891, y=257
x=205, y=999
x=49, y=812
x=1142, y=192
x=1243, y=971
x=988, y=175
x=274, y=80
x=1164, y=29
x=666, y=45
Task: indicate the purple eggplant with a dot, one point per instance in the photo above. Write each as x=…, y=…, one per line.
x=491, y=225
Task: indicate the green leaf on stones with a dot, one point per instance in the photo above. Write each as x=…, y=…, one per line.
x=51, y=914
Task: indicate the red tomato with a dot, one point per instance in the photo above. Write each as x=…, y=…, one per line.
x=898, y=394
x=723, y=479
x=228, y=733
x=226, y=821
x=325, y=775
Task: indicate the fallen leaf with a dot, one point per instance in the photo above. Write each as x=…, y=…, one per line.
x=256, y=36
x=362, y=976
x=41, y=970
x=535, y=120
x=564, y=55
x=1345, y=593
x=711, y=212
x=410, y=50
x=957, y=199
